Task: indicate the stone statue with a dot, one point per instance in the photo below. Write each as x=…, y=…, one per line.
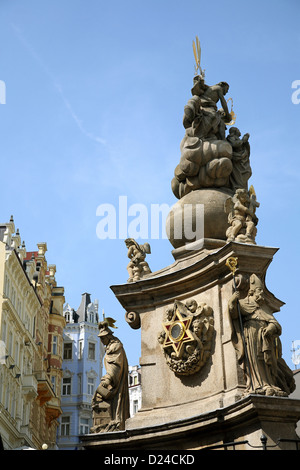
x=212, y=166
x=241, y=170
x=205, y=153
x=208, y=158
x=270, y=375
x=187, y=335
x=110, y=402
x=201, y=115
x=137, y=267
x=241, y=216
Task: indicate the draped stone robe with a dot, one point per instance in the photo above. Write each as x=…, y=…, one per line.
x=269, y=373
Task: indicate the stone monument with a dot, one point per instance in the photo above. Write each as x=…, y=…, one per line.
x=211, y=359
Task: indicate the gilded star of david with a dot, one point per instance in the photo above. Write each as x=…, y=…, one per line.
x=177, y=332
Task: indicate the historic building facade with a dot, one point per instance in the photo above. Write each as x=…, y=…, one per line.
x=82, y=370
x=135, y=389
x=31, y=327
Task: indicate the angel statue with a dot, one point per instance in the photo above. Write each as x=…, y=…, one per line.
x=137, y=267
x=241, y=216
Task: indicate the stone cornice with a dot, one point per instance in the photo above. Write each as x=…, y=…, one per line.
x=194, y=274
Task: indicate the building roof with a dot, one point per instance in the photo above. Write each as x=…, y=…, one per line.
x=31, y=255
x=82, y=309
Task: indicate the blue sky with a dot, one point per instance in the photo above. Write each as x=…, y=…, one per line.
x=94, y=102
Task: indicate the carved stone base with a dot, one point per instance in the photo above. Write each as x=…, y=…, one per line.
x=202, y=275
x=245, y=422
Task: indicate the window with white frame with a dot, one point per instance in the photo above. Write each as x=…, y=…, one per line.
x=54, y=344
x=13, y=296
x=66, y=386
x=10, y=343
x=80, y=349
x=91, y=386
x=17, y=353
x=7, y=285
x=53, y=383
x=13, y=406
x=91, y=316
x=65, y=425
x=67, y=350
x=67, y=315
x=79, y=384
x=33, y=327
x=135, y=406
x=92, y=351
x=84, y=426
x=4, y=331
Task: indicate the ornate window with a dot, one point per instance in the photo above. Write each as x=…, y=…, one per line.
x=66, y=386
x=91, y=385
x=84, y=426
x=92, y=351
x=65, y=425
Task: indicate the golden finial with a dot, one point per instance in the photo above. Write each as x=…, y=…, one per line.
x=231, y=263
x=110, y=321
x=197, y=55
x=252, y=190
x=232, y=114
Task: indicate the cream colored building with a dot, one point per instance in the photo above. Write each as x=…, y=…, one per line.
x=31, y=326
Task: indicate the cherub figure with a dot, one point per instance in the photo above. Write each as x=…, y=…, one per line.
x=202, y=328
x=241, y=216
x=137, y=267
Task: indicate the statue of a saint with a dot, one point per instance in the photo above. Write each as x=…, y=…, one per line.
x=270, y=375
x=241, y=170
x=110, y=403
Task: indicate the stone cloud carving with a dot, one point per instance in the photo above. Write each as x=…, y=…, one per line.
x=209, y=158
x=186, y=338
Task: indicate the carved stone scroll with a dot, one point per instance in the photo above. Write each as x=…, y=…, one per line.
x=133, y=320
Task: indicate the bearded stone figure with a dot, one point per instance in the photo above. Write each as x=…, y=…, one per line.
x=265, y=370
x=110, y=403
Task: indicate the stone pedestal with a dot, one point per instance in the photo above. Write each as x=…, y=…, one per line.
x=245, y=423
x=208, y=407
x=201, y=275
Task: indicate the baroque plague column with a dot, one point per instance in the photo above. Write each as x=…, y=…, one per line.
x=211, y=360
